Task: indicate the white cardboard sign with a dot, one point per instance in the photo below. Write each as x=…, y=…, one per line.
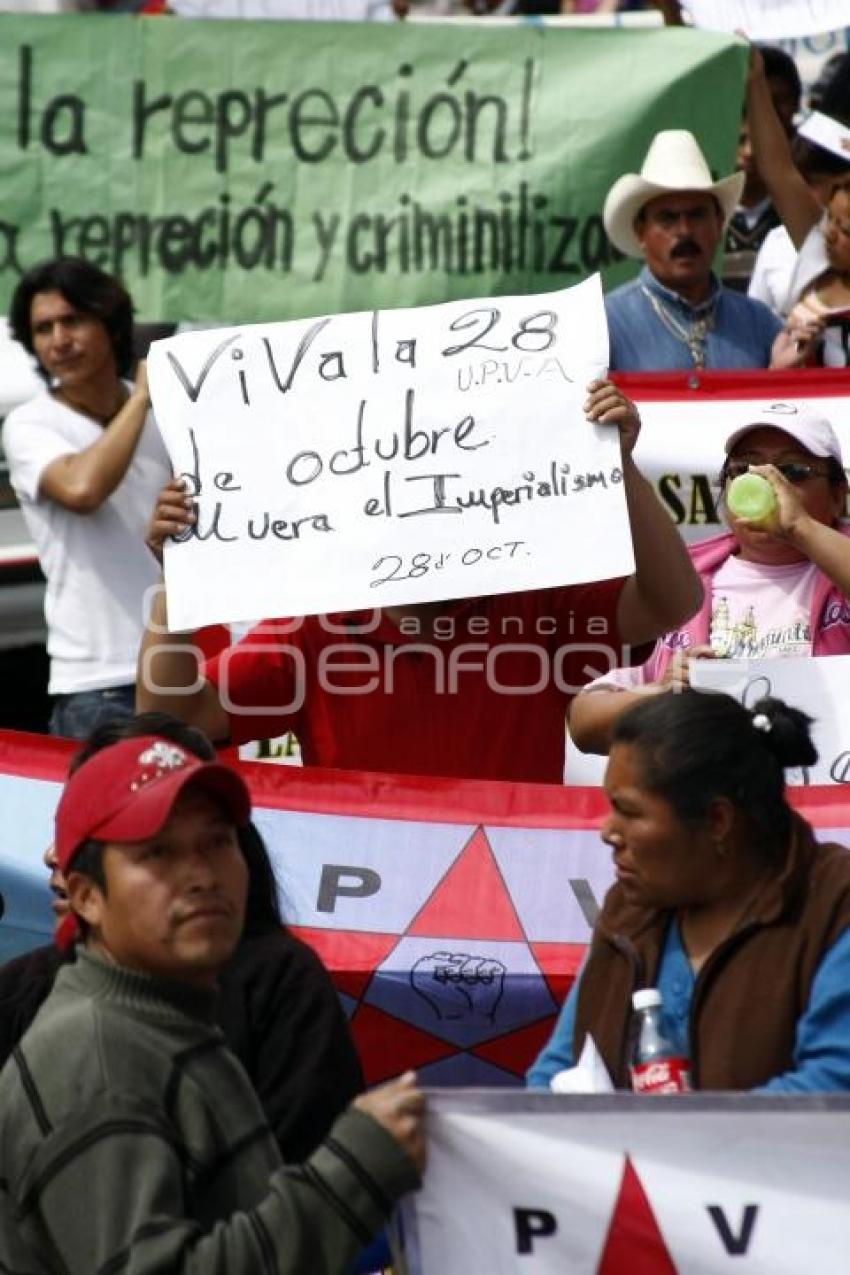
x=819, y=685
x=364, y=460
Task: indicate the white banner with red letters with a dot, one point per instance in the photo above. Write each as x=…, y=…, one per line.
x=541, y=1184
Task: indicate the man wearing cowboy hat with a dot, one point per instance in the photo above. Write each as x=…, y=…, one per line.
x=676, y=314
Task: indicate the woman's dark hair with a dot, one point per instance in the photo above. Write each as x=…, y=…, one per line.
x=86, y=287
x=262, y=909
x=695, y=746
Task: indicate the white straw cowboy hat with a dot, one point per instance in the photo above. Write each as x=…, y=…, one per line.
x=673, y=162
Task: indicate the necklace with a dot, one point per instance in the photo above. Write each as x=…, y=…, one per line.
x=693, y=334
x=102, y=418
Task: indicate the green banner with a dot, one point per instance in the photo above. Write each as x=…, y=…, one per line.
x=249, y=171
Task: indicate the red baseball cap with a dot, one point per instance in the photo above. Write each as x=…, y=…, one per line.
x=127, y=791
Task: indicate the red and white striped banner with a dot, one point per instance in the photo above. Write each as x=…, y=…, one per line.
x=452, y=914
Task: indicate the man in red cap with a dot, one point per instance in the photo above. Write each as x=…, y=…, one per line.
x=129, y=1135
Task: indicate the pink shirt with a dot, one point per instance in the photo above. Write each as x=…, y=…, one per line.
x=762, y=612
x=788, y=610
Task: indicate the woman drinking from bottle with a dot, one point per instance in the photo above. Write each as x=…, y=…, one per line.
x=771, y=589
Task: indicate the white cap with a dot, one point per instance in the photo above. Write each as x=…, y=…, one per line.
x=811, y=431
x=646, y=998
x=828, y=133
x=674, y=163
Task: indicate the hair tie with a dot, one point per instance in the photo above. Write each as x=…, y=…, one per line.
x=762, y=722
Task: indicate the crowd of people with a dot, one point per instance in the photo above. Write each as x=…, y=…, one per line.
x=175, y=1035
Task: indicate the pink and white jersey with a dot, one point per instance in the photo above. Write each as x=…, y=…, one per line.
x=757, y=612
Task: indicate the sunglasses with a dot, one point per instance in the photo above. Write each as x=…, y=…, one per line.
x=796, y=471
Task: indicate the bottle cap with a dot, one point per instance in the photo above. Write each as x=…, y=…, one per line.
x=646, y=998
x=751, y=496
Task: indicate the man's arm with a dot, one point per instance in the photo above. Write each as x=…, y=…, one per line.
x=664, y=590
x=82, y=481
x=315, y=1217
x=168, y=677
x=671, y=12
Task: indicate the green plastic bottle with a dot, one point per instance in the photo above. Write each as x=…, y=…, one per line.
x=751, y=496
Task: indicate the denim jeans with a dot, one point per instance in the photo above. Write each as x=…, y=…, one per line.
x=75, y=716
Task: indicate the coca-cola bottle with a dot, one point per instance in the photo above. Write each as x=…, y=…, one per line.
x=658, y=1067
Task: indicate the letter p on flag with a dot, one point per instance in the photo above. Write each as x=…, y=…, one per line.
x=531, y=1225
x=339, y=880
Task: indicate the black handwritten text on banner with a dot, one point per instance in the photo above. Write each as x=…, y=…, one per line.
x=247, y=171
x=371, y=459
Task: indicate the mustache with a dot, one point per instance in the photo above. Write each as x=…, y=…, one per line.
x=685, y=248
x=213, y=903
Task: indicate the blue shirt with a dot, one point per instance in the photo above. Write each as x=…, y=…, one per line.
x=821, y=1046
x=741, y=335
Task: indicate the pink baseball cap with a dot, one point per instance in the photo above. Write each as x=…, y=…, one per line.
x=810, y=430
x=127, y=791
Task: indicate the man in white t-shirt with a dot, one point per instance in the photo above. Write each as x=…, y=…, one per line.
x=86, y=461
x=773, y=592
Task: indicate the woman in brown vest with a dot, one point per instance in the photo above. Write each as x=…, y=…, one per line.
x=723, y=900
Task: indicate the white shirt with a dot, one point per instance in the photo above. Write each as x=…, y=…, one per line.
x=810, y=264
x=773, y=269
x=97, y=565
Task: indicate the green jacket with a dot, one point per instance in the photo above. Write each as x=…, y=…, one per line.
x=132, y=1142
